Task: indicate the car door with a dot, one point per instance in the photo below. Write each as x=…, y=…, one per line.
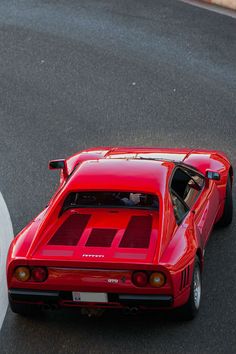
x=206, y=210
x=199, y=197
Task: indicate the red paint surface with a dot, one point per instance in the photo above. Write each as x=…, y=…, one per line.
x=76, y=263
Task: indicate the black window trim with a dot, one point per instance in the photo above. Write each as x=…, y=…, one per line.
x=188, y=167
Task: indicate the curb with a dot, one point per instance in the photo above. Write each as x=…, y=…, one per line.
x=230, y=4
x=6, y=236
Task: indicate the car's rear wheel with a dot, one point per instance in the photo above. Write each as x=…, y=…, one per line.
x=191, y=308
x=227, y=216
x=24, y=309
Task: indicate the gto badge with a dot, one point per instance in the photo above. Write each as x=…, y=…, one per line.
x=113, y=281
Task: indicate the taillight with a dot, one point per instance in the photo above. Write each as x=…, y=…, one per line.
x=140, y=279
x=157, y=279
x=39, y=274
x=154, y=279
x=22, y=273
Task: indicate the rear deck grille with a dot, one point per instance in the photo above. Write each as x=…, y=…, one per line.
x=101, y=238
x=70, y=232
x=138, y=232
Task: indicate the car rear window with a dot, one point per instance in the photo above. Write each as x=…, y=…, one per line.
x=110, y=199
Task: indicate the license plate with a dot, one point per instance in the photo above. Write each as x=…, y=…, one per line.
x=89, y=297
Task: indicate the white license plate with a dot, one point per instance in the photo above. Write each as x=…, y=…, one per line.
x=89, y=297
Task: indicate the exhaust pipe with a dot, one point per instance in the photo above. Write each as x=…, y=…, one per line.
x=92, y=312
x=131, y=310
x=49, y=307
x=46, y=307
x=54, y=307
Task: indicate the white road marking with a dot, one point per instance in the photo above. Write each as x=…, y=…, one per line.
x=6, y=236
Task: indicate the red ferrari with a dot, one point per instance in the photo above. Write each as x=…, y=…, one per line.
x=126, y=229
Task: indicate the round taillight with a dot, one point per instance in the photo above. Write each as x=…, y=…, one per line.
x=39, y=274
x=157, y=279
x=22, y=273
x=140, y=279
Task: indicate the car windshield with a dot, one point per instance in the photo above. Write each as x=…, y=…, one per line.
x=112, y=199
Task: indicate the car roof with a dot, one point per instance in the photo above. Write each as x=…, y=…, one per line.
x=139, y=175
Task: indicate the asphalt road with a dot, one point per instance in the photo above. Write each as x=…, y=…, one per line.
x=81, y=73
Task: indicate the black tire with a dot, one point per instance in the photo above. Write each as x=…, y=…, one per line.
x=227, y=216
x=24, y=309
x=190, y=310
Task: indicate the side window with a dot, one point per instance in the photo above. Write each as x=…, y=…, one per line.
x=196, y=177
x=187, y=185
x=180, y=209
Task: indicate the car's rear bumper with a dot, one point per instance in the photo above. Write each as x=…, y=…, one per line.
x=64, y=299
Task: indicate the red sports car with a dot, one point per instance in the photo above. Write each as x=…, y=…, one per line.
x=127, y=228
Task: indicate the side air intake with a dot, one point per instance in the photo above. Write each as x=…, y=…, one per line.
x=184, y=278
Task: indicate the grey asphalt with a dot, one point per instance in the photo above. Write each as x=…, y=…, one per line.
x=81, y=73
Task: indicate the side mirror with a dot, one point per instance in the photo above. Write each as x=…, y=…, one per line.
x=213, y=175
x=57, y=164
